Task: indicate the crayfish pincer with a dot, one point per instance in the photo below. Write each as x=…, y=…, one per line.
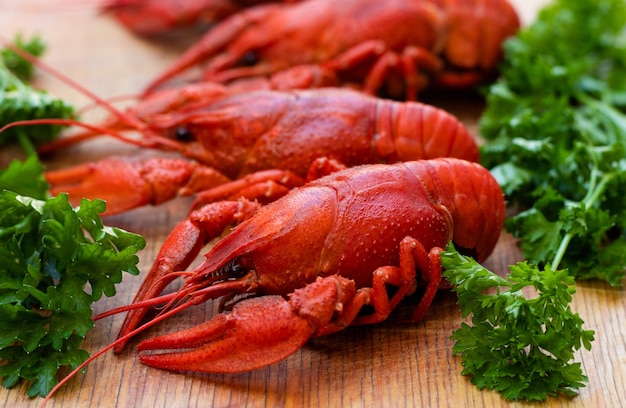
x=307, y=263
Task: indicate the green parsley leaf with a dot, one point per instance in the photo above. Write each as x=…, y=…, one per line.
x=520, y=346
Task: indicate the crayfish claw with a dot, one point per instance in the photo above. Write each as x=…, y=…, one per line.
x=258, y=332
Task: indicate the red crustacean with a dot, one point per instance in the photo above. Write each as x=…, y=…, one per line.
x=260, y=144
x=161, y=17
x=306, y=264
x=454, y=43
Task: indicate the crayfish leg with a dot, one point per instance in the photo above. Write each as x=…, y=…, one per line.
x=323, y=166
x=412, y=255
x=265, y=186
x=411, y=63
x=126, y=183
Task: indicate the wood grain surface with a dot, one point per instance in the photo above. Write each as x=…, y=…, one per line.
x=389, y=364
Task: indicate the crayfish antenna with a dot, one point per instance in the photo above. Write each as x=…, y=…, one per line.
x=132, y=122
x=57, y=74
x=176, y=302
x=65, y=142
x=138, y=305
x=153, y=141
x=88, y=134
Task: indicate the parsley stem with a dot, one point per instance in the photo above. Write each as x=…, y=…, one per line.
x=592, y=196
x=561, y=251
x=616, y=118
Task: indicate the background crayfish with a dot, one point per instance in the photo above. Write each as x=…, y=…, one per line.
x=395, y=46
x=260, y=144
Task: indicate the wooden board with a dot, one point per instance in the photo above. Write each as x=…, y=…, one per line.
x=390, y=364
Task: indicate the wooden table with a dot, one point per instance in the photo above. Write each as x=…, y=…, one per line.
x=389, y=364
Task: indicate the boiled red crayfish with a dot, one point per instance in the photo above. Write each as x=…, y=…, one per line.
x=457, y=43
x=306, y=264
x=265, y=142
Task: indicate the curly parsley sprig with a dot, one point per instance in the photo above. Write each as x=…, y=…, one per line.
x=55, y=261
x=520, y=346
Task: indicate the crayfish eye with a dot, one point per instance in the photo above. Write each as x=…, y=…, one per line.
x=248, y=59
x=238, y=267
x=183, y=134
x=236, y=271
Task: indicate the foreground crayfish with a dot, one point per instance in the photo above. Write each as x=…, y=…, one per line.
x=379, y=45
x=313, y=259
x=257, y=144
